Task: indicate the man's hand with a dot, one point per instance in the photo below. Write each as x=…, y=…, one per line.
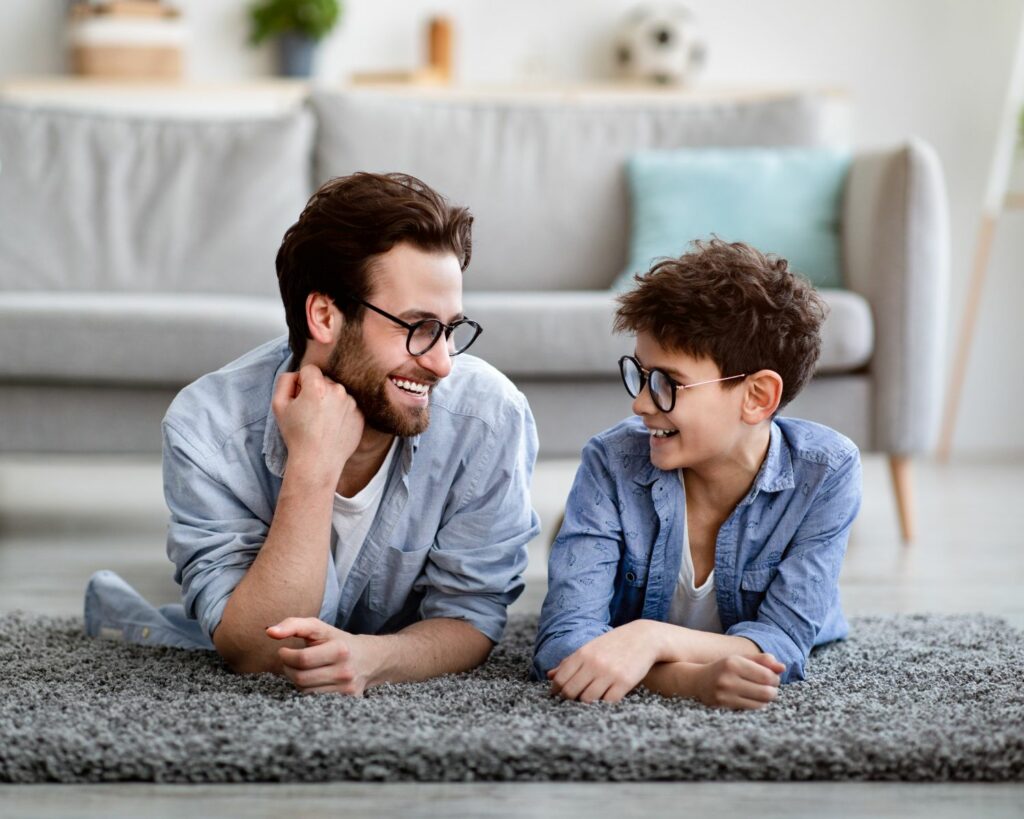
x=739, y=682
x=333, y=661
x=608, y=667
x=319, y=421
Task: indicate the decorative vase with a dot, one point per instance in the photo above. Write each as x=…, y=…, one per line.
x=295, y=52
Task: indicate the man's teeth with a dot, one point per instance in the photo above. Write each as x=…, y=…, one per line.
x=410, y=386
x=663, y=433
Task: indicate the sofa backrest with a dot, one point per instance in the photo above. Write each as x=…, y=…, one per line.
x=100, y=201
x=544, y=174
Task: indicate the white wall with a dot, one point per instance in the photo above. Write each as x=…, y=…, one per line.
x=934, y=68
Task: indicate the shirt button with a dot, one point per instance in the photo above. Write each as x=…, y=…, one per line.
x=630, y=577
x=145, y=633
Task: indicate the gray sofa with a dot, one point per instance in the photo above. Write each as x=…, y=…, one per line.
x=137, y=249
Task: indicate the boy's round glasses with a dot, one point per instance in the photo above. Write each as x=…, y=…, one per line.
x=423, y=334
x=663, y=388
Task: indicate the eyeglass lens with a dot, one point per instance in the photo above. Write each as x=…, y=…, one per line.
x=427, y=333
x=662, y=390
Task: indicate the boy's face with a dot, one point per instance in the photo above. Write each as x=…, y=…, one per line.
x=705, y=424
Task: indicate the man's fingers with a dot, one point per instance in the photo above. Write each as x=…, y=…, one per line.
x=317, y=677
x=313, y=656
x=308, y=628
x=285, y=389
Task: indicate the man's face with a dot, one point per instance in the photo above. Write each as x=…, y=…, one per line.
x=371, y=359
x=705, y=424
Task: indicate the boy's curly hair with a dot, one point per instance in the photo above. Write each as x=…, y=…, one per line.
x=729, y=302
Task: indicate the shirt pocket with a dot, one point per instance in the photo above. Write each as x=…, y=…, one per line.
x=754, y=585
x=631, y=589
x=394, y=576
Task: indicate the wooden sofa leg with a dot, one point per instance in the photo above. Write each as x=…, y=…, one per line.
x=903, y=485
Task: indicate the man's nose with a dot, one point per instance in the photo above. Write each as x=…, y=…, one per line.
x=437, y=359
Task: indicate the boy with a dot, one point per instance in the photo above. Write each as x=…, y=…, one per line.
x=703, y=539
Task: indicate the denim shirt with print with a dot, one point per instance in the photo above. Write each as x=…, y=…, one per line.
x=777, y=556
x=449, y=538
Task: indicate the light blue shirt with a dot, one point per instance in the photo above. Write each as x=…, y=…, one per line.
x=448, y=540
x=777, y=556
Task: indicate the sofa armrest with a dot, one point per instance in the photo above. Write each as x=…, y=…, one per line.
x=896, y=254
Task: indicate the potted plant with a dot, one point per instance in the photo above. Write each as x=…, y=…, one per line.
x=297, y=25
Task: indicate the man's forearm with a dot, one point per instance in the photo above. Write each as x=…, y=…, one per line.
x=679, y=644
x=286, y=579
x=428, y=649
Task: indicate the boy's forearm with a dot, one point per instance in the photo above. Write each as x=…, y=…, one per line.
x=677, y=644
x=674, y=679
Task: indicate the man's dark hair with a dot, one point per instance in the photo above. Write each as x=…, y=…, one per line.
x=729, y=302
x=345, y=225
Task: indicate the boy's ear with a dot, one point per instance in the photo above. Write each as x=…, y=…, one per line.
x=762, y=394
x=323, y=318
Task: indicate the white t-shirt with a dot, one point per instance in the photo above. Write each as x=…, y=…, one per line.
x=692, y=607
x=353, y=517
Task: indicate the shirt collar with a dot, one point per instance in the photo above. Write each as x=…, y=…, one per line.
x=775, y=474
x=275, y=453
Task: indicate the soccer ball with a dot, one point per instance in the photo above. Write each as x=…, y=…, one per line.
x=660, y=44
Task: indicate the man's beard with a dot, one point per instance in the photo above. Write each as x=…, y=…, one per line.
x=352, y=366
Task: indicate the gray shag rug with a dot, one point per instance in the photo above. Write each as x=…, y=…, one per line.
x=913, y=698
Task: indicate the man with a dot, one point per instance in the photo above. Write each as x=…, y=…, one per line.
x=350, y=507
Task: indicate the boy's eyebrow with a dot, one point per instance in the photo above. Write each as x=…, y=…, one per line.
x=681, y=376
x=416, y=315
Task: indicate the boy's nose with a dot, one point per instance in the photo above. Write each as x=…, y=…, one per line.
x=642, y=404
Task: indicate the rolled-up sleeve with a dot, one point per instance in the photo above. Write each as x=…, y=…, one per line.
x=803, y=590
x=212, y=538
x=582, y=567
x=475, y=567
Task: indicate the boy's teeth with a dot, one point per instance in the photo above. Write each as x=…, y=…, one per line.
x=663, y=433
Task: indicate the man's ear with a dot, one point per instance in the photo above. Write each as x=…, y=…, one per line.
x=323, y=319
x=762, y=393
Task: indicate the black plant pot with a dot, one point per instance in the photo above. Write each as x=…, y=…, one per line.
x=295, y=52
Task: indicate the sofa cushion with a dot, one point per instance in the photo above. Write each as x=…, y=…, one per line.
x=785, y=201
x=544, y=174
x=127, y=338
x=101, y=201
x=569, y=333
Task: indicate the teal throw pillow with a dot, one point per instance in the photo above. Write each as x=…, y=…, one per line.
x=784, y=201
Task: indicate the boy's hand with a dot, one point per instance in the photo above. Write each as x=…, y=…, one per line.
x=740, y=682
x=333, y=661
x=607, y=668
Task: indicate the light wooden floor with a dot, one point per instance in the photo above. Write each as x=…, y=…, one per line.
x=61, y=519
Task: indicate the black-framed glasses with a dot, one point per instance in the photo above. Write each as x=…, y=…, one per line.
x=663, y=388
x=423, y=334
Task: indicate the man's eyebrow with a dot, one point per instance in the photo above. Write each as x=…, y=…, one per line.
x=416, y=315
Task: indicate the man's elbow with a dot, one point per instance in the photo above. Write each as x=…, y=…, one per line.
x=245, y=657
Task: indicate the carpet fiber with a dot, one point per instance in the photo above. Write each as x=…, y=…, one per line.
x=920, y=698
